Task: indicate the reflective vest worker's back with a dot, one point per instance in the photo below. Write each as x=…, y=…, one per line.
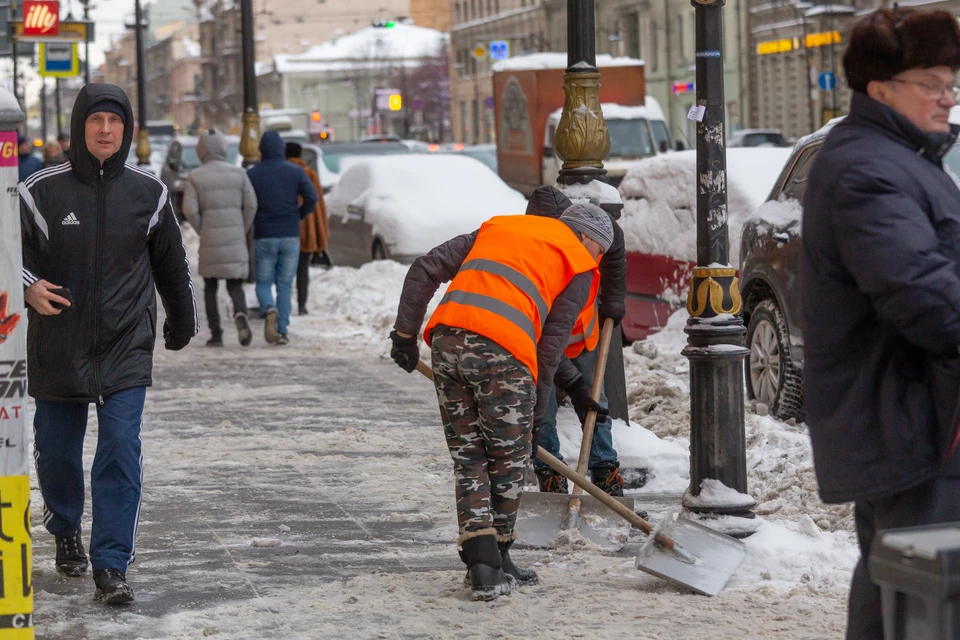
x=506, y=286
x=586, y=333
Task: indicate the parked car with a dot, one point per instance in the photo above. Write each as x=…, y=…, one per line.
x=336, y=153
x=313, y=156
x=399, y=208
x=485, y=153
x=758, y=138
x=182, y=158
x=769, y=282
x=660, y=230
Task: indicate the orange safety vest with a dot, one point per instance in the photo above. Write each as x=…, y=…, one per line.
x=585, y=334
x=508, y=282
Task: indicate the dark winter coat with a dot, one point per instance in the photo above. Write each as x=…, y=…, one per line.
x=28, y=165
x=279, y=184
x=880, y=292
x=442, y=263
x=551, y=202
x=109, y=235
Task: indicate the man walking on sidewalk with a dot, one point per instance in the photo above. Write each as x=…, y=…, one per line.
x=276, y=231
x=100, y=239
x=497, y=340
x=314, y=229
x=219, y=202
x=582, y=350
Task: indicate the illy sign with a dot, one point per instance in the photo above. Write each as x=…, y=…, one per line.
x=41, y=18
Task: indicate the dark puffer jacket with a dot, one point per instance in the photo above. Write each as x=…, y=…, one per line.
x=880, y=292
x=109, y=235
x=278, y=185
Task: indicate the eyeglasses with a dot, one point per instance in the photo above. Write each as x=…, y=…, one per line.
x=933, y=90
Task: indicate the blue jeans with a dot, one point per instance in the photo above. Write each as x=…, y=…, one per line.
x=116, y=480
x=601, y=449
x=276, y=264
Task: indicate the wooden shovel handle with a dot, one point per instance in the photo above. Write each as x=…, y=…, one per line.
x=591, y=422
x=425, y=369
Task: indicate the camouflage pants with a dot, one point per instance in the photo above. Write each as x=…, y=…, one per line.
x=486, y=401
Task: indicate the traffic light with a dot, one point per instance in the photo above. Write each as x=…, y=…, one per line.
x=396, y=102
x=315, y=116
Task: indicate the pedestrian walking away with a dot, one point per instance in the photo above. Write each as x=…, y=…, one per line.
x=52, y=155
x=100, y=239
x=497, y=338
x=284, y=198
x=29, y=164
x=582, y=350
x=220, y=203
x=880, y=259
x=314, y=229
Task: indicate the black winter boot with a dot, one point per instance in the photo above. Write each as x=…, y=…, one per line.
x=216, y=340
x=71, y=558
x=243, y=329
x=112, y=587
x=487, y=579
x=606, y=476
x=552, y=482
x=522, y=576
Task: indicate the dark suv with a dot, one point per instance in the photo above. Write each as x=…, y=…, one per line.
x=769, y=283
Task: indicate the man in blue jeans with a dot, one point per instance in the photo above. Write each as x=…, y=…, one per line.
x=285, y=196
x=603, y=465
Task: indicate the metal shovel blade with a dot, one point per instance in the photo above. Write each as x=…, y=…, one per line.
x=716, y=555
x=544, y=515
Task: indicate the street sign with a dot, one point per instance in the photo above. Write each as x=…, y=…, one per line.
x=417, y=104
x=69, y=32
x=41, y=17
x=479, y=52
x=387, y=99
x=59, y=60
x=827, y=81
x=499, y=50
x=488, y=102
x=683, y=87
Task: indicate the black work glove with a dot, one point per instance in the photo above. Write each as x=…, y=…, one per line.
x=613, y=309
x=174, y=340
x=583, y=404
x=405, y=351
x=534, y=441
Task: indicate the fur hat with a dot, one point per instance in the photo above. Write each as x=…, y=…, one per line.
x=890, y=41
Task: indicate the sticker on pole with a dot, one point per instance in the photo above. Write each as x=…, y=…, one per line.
x=697, y=112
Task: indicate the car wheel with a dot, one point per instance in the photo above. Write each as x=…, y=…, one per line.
x=379, y=253
x=772, y=378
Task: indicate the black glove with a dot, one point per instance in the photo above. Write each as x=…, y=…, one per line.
x=405, y=351
x=613, y=309
x=534, y=441
x=174, y=340
x=583, y=404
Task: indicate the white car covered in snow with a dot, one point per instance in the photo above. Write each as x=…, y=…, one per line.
x=399, y=207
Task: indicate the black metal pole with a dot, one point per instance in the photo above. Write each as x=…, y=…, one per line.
x=143, y=139
x=43, y=109
x=250, y=140
x=581, y=33
x=86, y=43
x=715, y=331
x=56, y=98
x=16, y=73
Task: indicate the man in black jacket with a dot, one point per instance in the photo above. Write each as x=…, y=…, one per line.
x=880, y=289
x=99, y=240
x=603, y=464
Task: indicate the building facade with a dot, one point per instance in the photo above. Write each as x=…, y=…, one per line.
x=432, y=14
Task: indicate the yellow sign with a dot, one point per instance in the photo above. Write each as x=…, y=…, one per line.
x=822, y=39
x=775, y=46
x=396, y=102
x=16, y=559
x=479, y=52
x=69, y=32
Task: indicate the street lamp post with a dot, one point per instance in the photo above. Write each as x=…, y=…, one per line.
x=250, y=137
x=143, y=137
x=86, y=42
x=715, y=331
x=582, y=141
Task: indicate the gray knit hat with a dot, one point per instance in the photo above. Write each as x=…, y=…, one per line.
x=591, y=221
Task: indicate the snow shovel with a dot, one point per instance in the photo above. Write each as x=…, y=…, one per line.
x=679, y=550
x=544, y=515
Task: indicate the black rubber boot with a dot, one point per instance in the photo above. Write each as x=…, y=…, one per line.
x=112, y=587
x=216, y=340
x=607, y=477
x=71, y=558
x=487, y=579
x=552, y=482
x=522, y=576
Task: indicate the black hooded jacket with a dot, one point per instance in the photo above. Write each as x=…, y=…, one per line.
x=551, y=202
x=109, y=235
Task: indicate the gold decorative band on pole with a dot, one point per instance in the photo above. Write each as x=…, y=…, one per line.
x=250, y=137
x=714, y=291
x=582, y=139
x=143, y=147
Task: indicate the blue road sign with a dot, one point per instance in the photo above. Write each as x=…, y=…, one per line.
x=499, y=49
x=827, y=81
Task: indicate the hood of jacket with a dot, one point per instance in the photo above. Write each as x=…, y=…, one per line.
x=272, y=146
x=933, y=146
x=85, y=166
x=548, y=201
x=211, y=146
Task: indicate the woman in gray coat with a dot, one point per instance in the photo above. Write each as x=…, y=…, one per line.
x=219, y=201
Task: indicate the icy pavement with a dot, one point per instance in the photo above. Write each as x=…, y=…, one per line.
x=305, y=492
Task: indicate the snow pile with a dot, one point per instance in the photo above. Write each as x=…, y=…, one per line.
x=715, y=493
x=417, y=202
x=660, y=199
x=548, y=60
x=595, y=189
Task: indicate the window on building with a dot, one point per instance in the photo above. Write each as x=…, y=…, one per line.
x=680, y=48
x=473, y=9
x=476, y=121
x=654, y=46
x=463, y=121
x=631, y=36
x=496, y=6
x=489, y=7
x=456, y=13
x=480, y=13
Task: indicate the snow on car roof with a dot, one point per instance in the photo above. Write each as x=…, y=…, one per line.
x=418, y=201
x=660, y=199
x=548, y=60
x=612, y=111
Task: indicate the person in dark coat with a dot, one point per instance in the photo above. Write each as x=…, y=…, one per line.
x=604, y=465
x=29, y=164
x=284, y=198
x=880, y=290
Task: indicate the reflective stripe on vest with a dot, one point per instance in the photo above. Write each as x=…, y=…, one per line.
x=494, y=306
x=515, y=278
x=582, y=338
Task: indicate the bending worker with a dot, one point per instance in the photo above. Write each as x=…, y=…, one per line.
x=497, y=341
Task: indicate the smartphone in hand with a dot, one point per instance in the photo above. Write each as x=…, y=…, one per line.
x=63, y=292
